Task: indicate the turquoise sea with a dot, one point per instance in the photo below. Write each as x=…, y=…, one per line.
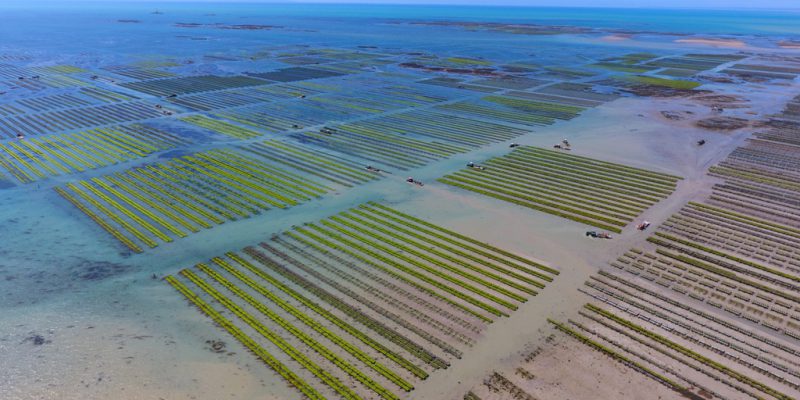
x=91, y=27
x=65, y=280
x=20, y=17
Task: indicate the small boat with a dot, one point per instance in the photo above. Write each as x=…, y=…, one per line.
x=414, y=181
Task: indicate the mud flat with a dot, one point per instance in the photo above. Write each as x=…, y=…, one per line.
x=705, y=308
x=714, y=42
x=326, y=211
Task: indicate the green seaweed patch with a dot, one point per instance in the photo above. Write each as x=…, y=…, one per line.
x=528, y=105
x=637, y=57
x=65, y=69
x=570, y=71
x=156, y=64
x=633, y=58
x=670, y=83
x=621, y=67
x=466, y=61
x=678, y=72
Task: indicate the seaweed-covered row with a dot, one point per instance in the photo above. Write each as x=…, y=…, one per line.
x=371, y=296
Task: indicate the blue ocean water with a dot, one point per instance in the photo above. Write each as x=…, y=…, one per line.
x=726, y=22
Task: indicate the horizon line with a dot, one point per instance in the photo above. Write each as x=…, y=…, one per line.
x=418, y=3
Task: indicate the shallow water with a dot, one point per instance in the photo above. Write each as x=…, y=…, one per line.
x=81, y=317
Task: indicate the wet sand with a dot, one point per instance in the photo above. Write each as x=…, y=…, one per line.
x=128, y=336
x=560, y=368
x=121, y=353
x=714, y=42
x=642, y=140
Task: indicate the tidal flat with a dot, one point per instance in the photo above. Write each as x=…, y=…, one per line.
x=218, y=201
